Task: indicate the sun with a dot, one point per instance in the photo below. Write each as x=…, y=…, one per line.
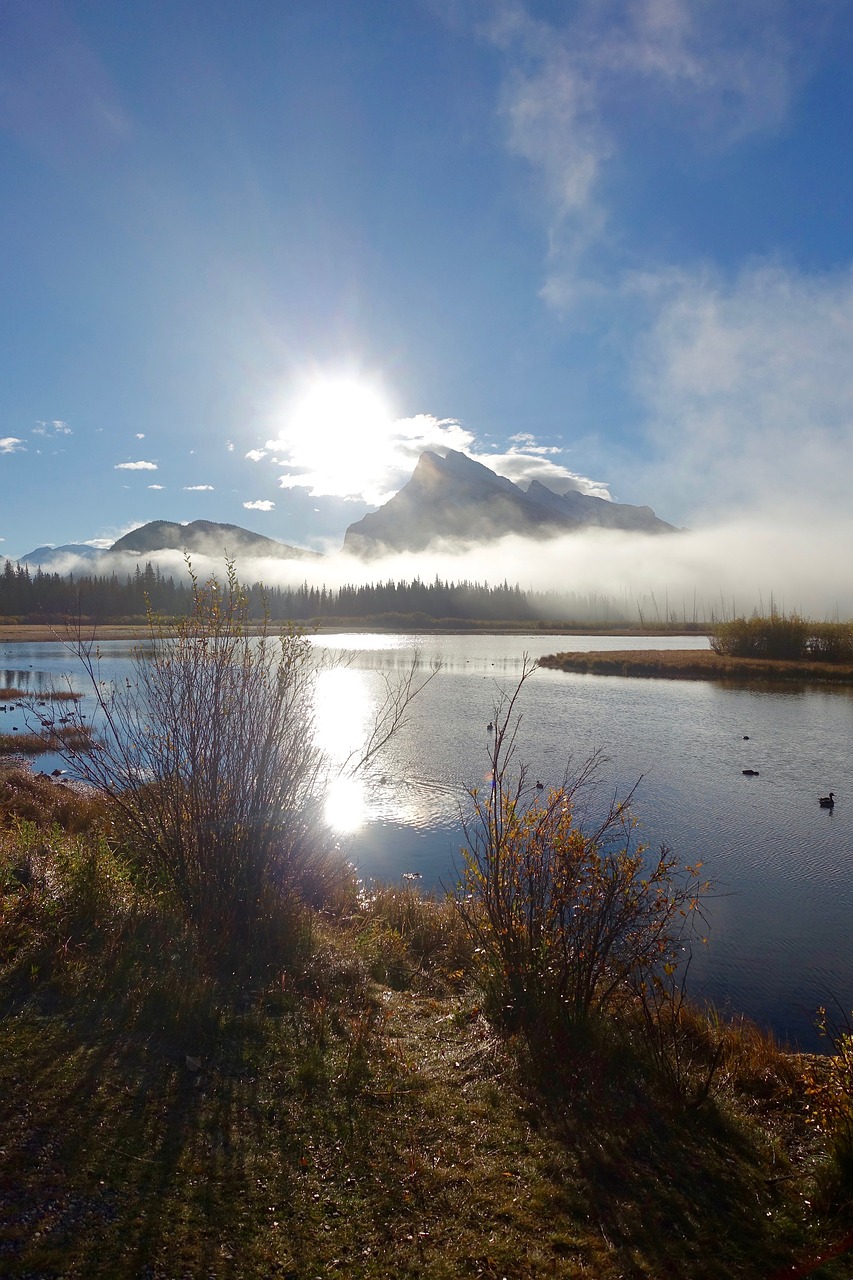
x=340, y=430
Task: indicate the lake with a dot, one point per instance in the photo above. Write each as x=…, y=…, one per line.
x=782, y=867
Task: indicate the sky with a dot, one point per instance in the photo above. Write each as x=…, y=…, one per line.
x=257, y=257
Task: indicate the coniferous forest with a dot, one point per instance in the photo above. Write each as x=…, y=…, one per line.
x=33, y=597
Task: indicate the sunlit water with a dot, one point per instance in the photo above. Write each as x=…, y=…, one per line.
x=782, y=867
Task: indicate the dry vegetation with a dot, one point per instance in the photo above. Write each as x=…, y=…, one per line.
x=698, y=664
x=325, y=1081
x=776, y=647
x=76, y=737
x=348, y=1109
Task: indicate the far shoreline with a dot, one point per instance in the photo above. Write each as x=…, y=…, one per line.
x=40, y=632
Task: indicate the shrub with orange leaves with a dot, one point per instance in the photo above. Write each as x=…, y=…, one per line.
x=572, y=914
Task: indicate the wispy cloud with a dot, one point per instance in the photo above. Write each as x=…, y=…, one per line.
x=56, y=427
x=714, y=74
x=11, y=444
x=529, y=461
x=256, y=455
x=748, y=387
x=135, y=466
x=373, y=475
x=140, y=435
x=262, y=504
x=155, y=486
x=198, y=488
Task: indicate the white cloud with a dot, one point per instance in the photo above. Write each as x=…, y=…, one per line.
x=56, y=427
x=155, y=486
x=11, y=444
x=372, y=474
x=749, y=392
x=528, y=463
x=135, y=466
x=262, y=504
x=140, y=435
x=255, y=455
x=198, y=488
x=714, y=73
x=229, y=445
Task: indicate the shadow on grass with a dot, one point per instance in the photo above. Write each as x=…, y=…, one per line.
x=683, y=1191
x=123, y=1160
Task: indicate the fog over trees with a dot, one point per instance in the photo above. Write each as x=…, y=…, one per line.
x=52, y=597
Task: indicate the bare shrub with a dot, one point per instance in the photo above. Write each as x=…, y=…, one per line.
x=209, y=755
x=571, y=915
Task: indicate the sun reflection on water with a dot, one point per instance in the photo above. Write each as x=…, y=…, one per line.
x=345, y=808
x=341, y=720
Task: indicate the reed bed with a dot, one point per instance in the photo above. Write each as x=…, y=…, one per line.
x=78, y=737
x=10, y=694
x=697, y=664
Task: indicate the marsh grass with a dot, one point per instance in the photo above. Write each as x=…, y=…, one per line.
x=415, y=936
x=699, y=664
x=167, y=1112
x=11, y=694
x=24, y=794
x=72, y=737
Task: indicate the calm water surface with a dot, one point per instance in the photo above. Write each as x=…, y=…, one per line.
x=782, y=867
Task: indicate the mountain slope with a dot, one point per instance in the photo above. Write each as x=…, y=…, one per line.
x=453, y=498
x=201, y=537
x=48, y=557
x=206, y=537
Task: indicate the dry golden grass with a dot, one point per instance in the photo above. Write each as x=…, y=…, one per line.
x=34, y=744
x=695, y=664
x=11, y=694
x=161, y=1117
x=39, y=631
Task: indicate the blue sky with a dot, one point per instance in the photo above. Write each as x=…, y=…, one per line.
x=273, y=250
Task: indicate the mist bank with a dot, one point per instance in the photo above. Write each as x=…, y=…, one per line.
x=750, y=563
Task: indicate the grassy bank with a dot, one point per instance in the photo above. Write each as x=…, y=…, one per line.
x=334, y=1099
x=31, y=632
x=698, y=664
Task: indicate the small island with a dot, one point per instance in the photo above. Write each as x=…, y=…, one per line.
x=697, y=664
x=774, y=648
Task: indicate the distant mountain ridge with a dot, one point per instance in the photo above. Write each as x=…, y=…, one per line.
x=452, y=498
x=203, y=537
x=45, y=557
x=207, y=537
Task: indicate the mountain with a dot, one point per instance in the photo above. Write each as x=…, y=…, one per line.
x=203, y=537
x=455, y=499
x=206, y=537
x=49, y=557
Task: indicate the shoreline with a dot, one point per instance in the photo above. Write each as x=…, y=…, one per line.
x=696, y=664
x=37, y=632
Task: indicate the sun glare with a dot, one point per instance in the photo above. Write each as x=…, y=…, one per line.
x=337, y=430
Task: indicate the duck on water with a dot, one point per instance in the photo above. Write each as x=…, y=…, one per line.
x=827, y=802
